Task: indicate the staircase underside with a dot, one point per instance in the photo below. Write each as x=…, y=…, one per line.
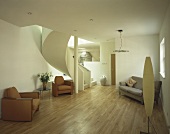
x=54, y=50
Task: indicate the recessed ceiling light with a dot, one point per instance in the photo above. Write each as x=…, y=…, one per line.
x=29, y=13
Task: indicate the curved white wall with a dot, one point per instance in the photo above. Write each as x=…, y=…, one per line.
x=54, y=50
x=20, y=57
x=45, y=33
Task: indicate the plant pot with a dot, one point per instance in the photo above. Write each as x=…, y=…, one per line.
x=44, y=85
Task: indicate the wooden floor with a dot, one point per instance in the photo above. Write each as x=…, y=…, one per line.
x=97, y=110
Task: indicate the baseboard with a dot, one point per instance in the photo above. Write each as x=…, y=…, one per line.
x=166, y=118
x=165, y=115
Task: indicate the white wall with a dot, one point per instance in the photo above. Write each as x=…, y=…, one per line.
x=70, y=61
x=104, y=66
x=95, y=68
x=132, y=62
x=106, y=49
x=86, y=75
x=95, y=54
x=127, y=64
x=165, y=32
x=80, y=79
x=20, y=58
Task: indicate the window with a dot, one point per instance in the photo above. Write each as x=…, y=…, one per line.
x=162, y=58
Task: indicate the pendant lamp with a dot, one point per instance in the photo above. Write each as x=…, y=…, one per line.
x=121, y=43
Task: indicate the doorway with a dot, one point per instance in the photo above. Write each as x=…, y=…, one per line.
x=113, y=69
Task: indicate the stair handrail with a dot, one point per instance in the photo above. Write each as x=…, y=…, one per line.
x=83, y=67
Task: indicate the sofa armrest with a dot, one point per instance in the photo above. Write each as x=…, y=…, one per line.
x=122, y=83
x=17, y=109
x=33, y=95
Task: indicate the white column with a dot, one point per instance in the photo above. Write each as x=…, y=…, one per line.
x=76, y=63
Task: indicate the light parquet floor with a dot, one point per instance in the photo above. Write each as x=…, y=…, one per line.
x=97, y=110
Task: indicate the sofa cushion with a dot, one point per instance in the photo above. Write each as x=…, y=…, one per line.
x=12, y=93
x=131, y=90
x=131, y=82
x=139, y=82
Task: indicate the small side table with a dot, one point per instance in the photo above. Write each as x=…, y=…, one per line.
x=41, y=92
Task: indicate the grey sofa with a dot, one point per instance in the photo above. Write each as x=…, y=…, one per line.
x=136, y=92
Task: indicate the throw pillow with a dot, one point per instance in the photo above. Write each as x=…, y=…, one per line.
x=131, y=82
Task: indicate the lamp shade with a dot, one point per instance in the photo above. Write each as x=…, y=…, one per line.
x=148, y=86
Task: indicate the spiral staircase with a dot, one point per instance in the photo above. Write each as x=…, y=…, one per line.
x=57, y=53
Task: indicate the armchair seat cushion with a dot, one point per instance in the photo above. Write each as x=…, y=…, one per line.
x=64, y=87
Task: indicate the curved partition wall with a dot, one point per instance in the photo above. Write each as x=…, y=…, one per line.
x=54, y=50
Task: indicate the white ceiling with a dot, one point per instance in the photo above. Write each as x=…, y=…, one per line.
x=135, y=17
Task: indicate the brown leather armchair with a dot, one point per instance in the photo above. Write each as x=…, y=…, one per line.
x=19, y=106
x=61, y=86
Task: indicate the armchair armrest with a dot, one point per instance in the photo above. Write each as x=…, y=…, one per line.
x=24, y=98
x=54, y=86
x=54, y=89
x=33, y=95
x=17, y=109
x=122, y=83
x=70, y=83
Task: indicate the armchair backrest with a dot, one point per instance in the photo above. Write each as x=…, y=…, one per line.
x=59, y=80
x=11, y=93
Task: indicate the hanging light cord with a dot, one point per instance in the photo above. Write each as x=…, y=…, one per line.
x=120, y=40
x=121, y=43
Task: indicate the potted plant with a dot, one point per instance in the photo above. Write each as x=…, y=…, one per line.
x=44, y=78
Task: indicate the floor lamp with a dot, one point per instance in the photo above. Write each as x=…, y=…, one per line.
x=148, y=89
